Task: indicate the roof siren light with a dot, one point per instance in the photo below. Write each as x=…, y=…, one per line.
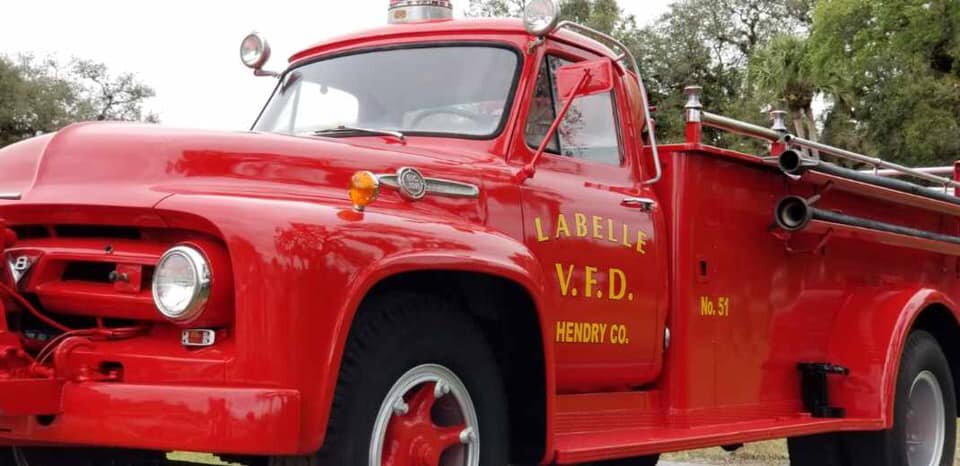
x=541, y=17
x=409, y=11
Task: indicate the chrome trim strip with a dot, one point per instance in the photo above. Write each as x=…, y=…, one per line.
x=10, y=196
x=437, y=186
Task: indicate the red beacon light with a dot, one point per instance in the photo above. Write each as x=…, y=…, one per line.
x=410, y=11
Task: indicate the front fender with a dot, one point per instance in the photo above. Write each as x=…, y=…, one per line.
x=868, y=338
x=301, y=270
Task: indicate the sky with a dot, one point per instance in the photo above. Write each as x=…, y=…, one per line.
x=188, y=51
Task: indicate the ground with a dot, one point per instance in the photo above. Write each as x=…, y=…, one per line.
x=753, y=454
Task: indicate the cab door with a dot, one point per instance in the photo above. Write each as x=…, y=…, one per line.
x=593, y=226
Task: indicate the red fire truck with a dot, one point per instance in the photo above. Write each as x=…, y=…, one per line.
x=458, y=243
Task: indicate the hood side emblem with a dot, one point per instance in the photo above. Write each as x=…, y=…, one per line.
x=414, y=186
x=19, y=266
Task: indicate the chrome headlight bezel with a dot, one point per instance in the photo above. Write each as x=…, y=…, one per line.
x=202, y=279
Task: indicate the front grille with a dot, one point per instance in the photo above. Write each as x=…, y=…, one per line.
x=27, y=232
x=96, y=231
x=91, y=272
x=87, y=271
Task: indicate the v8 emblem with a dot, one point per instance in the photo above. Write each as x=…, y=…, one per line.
x=19, y=267
x=22, y=264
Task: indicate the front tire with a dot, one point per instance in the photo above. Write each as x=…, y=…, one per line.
x=924, y=428
x=419, y=385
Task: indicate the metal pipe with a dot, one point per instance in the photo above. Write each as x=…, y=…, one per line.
x=793, y=163
x=795, y=213
x=740, y=127
x=755, y=131
x=895, y=173
x=880, y=163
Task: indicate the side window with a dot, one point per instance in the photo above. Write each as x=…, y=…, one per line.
x=542, y=112
x=588, y=132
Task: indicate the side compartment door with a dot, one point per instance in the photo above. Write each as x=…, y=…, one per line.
x=591, y=224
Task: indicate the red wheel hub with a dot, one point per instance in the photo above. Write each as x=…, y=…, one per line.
x=413, y=438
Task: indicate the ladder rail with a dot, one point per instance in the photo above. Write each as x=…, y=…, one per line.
x=696, y=116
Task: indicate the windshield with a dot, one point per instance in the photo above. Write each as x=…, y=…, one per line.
x=436, y=90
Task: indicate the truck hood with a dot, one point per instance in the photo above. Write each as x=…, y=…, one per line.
x=133, y=165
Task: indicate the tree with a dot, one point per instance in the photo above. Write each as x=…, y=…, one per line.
x=602, y=15
x=110, y=97
x=779, y=71
x=41, y=96
x=496, y=8
x=892, y=70
x=709, y=43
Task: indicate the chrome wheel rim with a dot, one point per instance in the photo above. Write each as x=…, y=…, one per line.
x=426, y=419
x=926, y=421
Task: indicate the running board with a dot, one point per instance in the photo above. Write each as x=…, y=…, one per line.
x=582, y=447
x=606, y=426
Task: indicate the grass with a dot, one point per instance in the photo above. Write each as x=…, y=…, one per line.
x=760, y=453
x=200, y=458
x=773, y=453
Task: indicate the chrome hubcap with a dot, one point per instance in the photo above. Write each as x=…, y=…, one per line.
x=926, y=421
x=427, y=419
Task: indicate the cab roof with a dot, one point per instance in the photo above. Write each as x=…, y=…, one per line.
x=465, y=27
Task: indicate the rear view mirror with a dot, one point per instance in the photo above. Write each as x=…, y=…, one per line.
x=600, y=79
x=578, y=80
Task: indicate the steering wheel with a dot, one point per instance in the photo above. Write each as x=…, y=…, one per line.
x=475, y=118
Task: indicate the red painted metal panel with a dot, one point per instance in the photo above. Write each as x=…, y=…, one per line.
x=194, y=418
x=30, y=397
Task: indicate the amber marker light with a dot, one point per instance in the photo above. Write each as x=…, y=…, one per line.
x=364, y=189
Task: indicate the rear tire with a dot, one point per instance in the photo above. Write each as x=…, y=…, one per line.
x=925, y=419
x=403, y=351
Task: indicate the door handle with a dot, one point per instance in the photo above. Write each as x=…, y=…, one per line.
x=642, y=203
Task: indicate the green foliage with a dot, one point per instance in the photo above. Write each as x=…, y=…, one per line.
x=709, y=43
x=893, y=67
x=496, y=8
x=41, y=96
x=778, y=73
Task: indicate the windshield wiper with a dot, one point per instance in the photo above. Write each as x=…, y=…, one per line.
x=352, y=130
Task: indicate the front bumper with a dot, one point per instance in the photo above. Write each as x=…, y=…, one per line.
x=251, y=421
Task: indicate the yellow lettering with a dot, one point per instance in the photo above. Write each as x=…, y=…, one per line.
x=610, y=233
x=590, y=280
x=719, y=307
x=706, y=306
x=641, y=242
x=618, y=335
x=562, y=226
x=618, y=284
x=593, y=333
x=540, y=236
x=597, y=227
x=626, y=236
x=581, y=221
x=564, y=278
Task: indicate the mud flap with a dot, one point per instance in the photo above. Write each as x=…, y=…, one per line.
x=813, y=386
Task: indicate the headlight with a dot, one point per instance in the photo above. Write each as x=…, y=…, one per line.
x=181, y=283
